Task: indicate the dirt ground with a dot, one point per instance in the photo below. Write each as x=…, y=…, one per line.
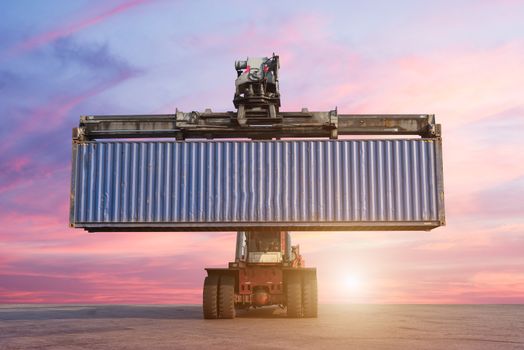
x=337, y=327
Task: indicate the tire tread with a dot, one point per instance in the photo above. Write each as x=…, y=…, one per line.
x=294, y=297
x=310, y=296
x=226, y=297
x=210, y=296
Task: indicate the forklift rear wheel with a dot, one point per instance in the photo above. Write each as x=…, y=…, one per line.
x=210, y=297
x=294, y=297
x=309, y=296
x=226, y=297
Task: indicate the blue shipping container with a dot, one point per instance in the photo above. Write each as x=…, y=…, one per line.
x=241, y=185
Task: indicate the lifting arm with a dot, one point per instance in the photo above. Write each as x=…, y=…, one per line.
x=211, y=125
x=257, y=99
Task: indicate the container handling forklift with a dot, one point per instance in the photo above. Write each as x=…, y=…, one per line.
x=262, y=187
x=267, y=271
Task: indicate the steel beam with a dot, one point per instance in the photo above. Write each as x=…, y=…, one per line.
x=211, y=125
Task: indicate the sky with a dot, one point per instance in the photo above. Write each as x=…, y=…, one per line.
x=460, y=60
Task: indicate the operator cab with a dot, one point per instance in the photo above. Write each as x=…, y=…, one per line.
x=262, y=247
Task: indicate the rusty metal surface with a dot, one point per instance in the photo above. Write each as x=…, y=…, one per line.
x=239, y=185
x=225, y=125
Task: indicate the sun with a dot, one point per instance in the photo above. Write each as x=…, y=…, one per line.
x=353, y=283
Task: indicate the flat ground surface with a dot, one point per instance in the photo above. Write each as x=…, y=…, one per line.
x=337, y=327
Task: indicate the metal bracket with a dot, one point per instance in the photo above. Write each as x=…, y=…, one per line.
x=333, y=121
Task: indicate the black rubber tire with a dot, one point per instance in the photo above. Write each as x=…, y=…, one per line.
x=294, y=297
x=310, y=296
x=210, y=297
x=226, y=297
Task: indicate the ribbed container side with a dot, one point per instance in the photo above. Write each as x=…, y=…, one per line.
x=237, y=185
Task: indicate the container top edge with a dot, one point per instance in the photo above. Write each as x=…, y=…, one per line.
x=255, y=141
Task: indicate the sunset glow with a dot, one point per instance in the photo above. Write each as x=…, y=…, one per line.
x=461, y=61
x=353, y=283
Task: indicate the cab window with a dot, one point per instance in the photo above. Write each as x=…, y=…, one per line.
x=264, y=242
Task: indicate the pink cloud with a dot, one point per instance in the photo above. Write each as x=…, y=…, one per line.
x=23, y=170
x=19, y=163
x=56, y=111
x=104, y=279
x=306, y=48
x=71, y=28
